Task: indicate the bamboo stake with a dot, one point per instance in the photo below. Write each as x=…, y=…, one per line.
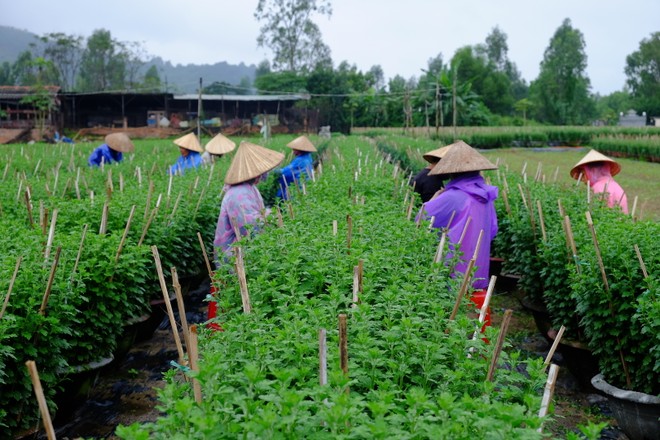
x=571, y=242
x=41, y=399
x=104, y=219
x=242, y=280
x=441, y=247
x=334, y=227
x=44, y=225
x=634, y=208
x=499, y=344
x=206, y=257
x=123, y=237
x=146, y=226
x=641, y=262
x=28, y=203
x=51, y=235
x=80, y=248
x=356, y=286
x=541, y=220
x=522, y=195
x=467, y=277
x=280, y=220
x=181, y=307
x=349, y=231
x=193, y=357
x=11, y=286
x=168, y=306
x=548, y=392
x=343, y=344
x=51, y=277
x=175, y=207
x=555, y=344
x=323, y=358
x=484, y=306
x=505, y=198
x=147, y=205
x=554, y=178
x=290, y=206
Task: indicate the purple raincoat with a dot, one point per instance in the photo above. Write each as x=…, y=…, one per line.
x=468, y=196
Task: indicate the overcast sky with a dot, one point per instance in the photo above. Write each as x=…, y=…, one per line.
x=399, y=35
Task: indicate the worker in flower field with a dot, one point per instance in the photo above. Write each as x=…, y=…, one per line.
x=112, y=150
x=216, y=147
x=465, y=207
x=191, y=154
x=598, y=170
x=300, y=167
x=426, y=186
x=242, y=204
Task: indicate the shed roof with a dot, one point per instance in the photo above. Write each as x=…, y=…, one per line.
x=292, y=97
x=18, y=92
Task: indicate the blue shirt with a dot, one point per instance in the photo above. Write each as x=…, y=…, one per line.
x=192, y=160
x=104, y=153
x=302, y=163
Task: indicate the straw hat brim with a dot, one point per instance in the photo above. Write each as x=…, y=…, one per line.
x=189, y=142
x=591, y=157
x=120, y=142
x=251, y=161
x=220, y=144
x=302, y=144
x=461, y=158
x=438, y=154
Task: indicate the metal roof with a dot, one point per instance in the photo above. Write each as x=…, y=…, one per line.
x=190, y=96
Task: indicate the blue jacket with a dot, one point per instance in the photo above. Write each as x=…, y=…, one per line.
x=192, y=160
x=300, y=164
x=104, y=153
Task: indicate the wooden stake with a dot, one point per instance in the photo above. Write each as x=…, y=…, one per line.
x=80, y=248
x=460, y=240
x=499, y=344
x=548, y=392
x=168, y=306
x=571, y=242
x=193, y=357
x=599, y=257
x=356, y=286
x=280, y=220
x=441, y=247
x=349, y=232
x=206, y=257
x=334, y=227
x=125, y=235
x=242, y=280
x=323, y=358
x=555, y=344
x=634, y=208
x=51, y=235
x=641, y=262
x=343, y=344
x=541, y=220
x=484, y=308
x=182, y=309
x=147, y=205
x=41, y=399
x=51, y=277
x=28, y=203
x=199, y=201
x=290, y=206
x=104, y=219
x=146, y=226
x=505, y=198
x=11, y=286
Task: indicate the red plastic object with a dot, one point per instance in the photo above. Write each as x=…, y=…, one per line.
x=213, y=312
x=478, y=298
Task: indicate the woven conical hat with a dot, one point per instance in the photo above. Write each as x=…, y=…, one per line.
x=189, y=142
x=302, y=144
x=461, y=158
x=251, y=161
x=595, y=156
x=220, y=145
x=120, y=142
x=438, y=153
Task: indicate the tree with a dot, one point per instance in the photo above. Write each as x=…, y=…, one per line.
x=64, y=52
x=561, y=92
x=102, y=67
x=152, y=82
x=40, y=98
x=643, y=75
x=288, y=30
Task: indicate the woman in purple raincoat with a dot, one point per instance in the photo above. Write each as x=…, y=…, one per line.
x=466, y=207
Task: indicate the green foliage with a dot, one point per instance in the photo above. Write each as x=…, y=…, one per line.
x=642, y=71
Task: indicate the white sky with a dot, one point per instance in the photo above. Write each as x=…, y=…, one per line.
x=399, y=35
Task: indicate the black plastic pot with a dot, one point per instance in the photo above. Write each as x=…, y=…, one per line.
x=579, y=360
x=637, y=413
x=540, y=314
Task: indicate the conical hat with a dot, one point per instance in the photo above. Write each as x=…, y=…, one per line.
x=461, y=158
x=438, y=153
x=120, y=142
x=251, y=161
x=595, y=156
x=220, y=145
x=189, y=142
x=302, y=144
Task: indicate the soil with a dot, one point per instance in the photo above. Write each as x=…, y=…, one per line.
x=127, y=392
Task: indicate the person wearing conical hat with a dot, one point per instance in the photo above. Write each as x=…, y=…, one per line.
x=300, y=167
x=242, y=204
x=598, y=170
x=112, y=150
x=216, y=147
x=426, y=186
x=466, y=207
x=191, y=154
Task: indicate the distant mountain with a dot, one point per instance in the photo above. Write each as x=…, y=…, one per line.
x=178, y=78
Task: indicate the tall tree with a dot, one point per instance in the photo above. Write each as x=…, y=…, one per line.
x=64, y=52
x=152, y=82
x=102, y=68
x=643, y=75
x=561, y=92
x=288, y=30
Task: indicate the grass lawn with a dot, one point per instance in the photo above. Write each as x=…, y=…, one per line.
x=641, y=179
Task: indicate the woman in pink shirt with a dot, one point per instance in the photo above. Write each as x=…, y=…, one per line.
x=598, y=170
